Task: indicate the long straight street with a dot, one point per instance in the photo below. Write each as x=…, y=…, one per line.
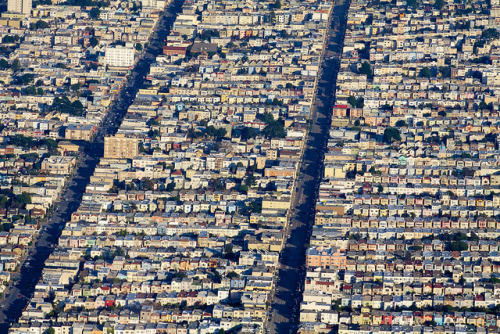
x=11, y=307
x=284, y=311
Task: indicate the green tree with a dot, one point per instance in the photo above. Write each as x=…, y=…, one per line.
x=8, y=39
x=76, y=87
x=216, y=133
x=93, y=42
x=20, y=140
x=458, y=246
x=94, y=13
x=138, y=46
x=490, y=34
x=439, y=4
x=391, y=134
x=233, y=274
x=425, y=72
x=16, y=65
x=148, y=184
x=360, y=102
x=401, y=123
x=41, y=24
x=275, y=130
x=352, y=101
x=272, y=16
x=366, y=69
x=64, y=105
x=24, y=79
x=277, y=4
x=20, y=201
x=411, y=3
x=4, y=64
x=251, y=180
x=30, y=90
x=3, y=201
x=255, y=206
x=247, y=133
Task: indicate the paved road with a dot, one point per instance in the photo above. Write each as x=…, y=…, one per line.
x=285, y=304
x=18, y=296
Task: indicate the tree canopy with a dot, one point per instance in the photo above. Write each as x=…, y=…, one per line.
x=391, y=134
x=425, y=72
x=274, y=128
x=64, y=105
x=366, y=69
x=40, y=24
x=95, y=12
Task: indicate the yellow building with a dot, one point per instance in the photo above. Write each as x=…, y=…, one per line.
x=121, y=146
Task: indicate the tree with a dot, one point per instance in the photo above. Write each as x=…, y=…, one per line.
x=76, y=87
x=425, y=72
x=391, y=134
x=3, y=201
x=24, y=79
x=277, y=4
x=360, y=102
x=445, y=71
x=439, y=4
x=275, y=130
x=272, y=16
x=251, y=180
x=16, y=65
x=458, y=246
x=30, y=90
x=95, y=13
x=411, y=3
x=50, y=330
x=248, y=133
x=255, y=206
x=138, y=46
x=8, y=39
x=366, y=69
x=20, y=201
x=64, y=105
x=352, y=101
x=154, y=134
x=401, y=123
x=93, y=42
x=148, y=185
x=4, y=64
x=490, y=34
x=216, y=133
x=40, y=24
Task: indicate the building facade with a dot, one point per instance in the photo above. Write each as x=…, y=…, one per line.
x=119, y=56
x=121, y=146
x=19, y=6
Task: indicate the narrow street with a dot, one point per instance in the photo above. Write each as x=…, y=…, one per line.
x=12, y=305
x=285, y=305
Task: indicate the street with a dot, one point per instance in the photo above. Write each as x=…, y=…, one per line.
x=13, y=304
x=285, y=304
